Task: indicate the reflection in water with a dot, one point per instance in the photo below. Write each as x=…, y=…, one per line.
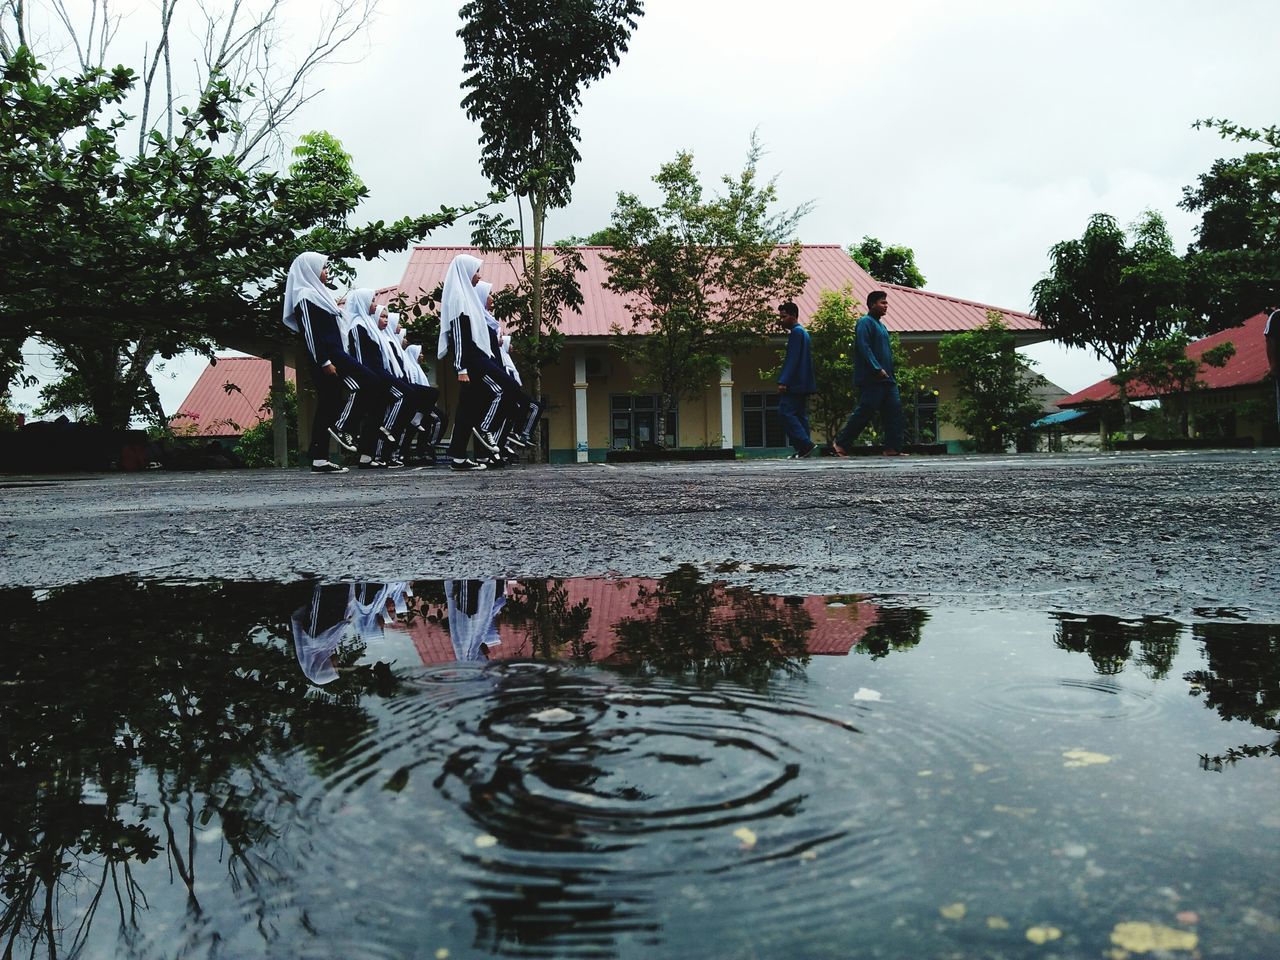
x=388, y=769
x=1109, y=641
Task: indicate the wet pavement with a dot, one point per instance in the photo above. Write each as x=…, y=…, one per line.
x=1131, y=534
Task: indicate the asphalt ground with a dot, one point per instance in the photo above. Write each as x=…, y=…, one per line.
x=1176, y=534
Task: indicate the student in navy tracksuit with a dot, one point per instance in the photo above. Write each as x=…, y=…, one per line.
x=420, y=397
x=345, y=387
x=366, y=345
x=519, y=412
x=465, y=337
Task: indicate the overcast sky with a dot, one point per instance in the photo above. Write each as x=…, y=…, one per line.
x=977, y=133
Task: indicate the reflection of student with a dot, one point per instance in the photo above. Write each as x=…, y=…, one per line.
x=474, y=606
x=319, y=629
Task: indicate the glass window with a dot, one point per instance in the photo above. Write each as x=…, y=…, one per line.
x=634, y=421
x=761, y=425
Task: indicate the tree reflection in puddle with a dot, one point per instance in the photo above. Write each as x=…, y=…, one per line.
x=211, y=763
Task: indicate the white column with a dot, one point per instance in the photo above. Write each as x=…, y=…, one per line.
x=726, y=407
x=580, y=402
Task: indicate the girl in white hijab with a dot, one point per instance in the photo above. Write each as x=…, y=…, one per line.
x=519, y=411
x=341, y=383
x=464, y=335
x=365, y=340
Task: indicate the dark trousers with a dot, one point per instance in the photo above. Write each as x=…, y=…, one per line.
x=480, y=400
x=407, y=399
x=880, y=396
x=793, y=411
x=342, y=399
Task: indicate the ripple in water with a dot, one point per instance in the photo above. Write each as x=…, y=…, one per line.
x=1068, y=700
x=567, y=813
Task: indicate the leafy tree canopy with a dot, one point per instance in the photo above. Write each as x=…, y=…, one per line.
x=891, y=264
x=702, y=276
x=993, y=403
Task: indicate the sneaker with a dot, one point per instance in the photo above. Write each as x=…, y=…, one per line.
x=464, y=465
x=371, y=465
x=327, y=466
x=343, y=439
x=486, y=439
x=494, y=463
x=520, y=440
x=801, y=454
x=394, y=463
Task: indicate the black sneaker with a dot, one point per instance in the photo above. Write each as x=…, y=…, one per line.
x=343, y=439
x=494, y=463
x=464, y=465
x=394, y=463
x=520, y=440
x=371, y=465
x=486, y=439
x=327, y=467
x=801, y=454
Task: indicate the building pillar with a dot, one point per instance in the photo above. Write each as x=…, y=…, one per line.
x=726, y=407
x=580, y=403
x=279, y=425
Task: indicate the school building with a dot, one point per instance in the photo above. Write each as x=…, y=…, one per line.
x=596, y=402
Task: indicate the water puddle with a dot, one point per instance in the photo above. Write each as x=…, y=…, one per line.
x=627, y=768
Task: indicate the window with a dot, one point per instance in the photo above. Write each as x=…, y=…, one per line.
x=922, y=417
x=633, y=422
x=761, y=425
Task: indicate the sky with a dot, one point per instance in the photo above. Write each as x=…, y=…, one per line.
x=978, y=134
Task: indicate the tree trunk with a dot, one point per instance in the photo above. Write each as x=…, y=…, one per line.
x=538, y=206
x=660, y=427
x=279, y=425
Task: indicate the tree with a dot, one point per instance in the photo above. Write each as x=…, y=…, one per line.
x=1111, y=293
x=526, y=66
x=701, y=276
x=113, y=259
x=895, y=265
x=1234, y=261
x=993, y=403
x=1173, y=375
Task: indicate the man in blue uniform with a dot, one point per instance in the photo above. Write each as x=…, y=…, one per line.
x=796, y=382
x=873, y=376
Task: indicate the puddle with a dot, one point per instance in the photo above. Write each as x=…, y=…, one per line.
x=626, y=768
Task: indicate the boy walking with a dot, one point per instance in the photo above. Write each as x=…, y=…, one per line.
x=796, y=382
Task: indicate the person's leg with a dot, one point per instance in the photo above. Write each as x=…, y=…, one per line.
x=790, y=412
x=870, y=397
x=330, y=394
x=891, y=417
x=465, y=418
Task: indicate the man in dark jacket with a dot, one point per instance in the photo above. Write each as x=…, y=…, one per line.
x=873, y=376
x=796, y=382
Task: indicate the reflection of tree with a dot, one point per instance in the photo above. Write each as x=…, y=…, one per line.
x=1242, y=681
x=895, y=628
x=1109, y=641
x=552, y=624
x=122, y=684
x=711, y=631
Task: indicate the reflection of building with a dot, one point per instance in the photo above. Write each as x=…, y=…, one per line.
x=597, y=403
x=837, y=628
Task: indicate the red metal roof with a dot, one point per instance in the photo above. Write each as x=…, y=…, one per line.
x=836, y=629
x=828, y=266
x=216, y=411
x=1248, y=366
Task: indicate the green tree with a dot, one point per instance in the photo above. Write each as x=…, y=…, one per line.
x=1111, y=292
x=993, y=403
x=256, y=446
x=833, y=339
x=526, y=66
x=701, y=275
x=1166, y=368
x=114, y=259
x=1234, y=261
x=887, y=264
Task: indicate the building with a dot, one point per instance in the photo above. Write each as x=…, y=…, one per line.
x=596, y=403
x=228, y=398
x=1235, y=401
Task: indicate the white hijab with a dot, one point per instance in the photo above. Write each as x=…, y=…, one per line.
x=412, y=353
x=507, y=362
x=459, y=297
x=467, y=631
x=304, y=283
x=355, y=313
x=483, y=289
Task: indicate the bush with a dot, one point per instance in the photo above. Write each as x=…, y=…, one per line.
x=256, y=446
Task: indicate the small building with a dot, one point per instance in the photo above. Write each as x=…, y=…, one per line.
x=228, y=399
x=596, y=402
x=1234, y=401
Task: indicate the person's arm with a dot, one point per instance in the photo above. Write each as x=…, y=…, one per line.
x=314, y=346
x=867, y=349
x=790, y=362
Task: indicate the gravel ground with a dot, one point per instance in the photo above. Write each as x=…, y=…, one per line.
x=1181, y=534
